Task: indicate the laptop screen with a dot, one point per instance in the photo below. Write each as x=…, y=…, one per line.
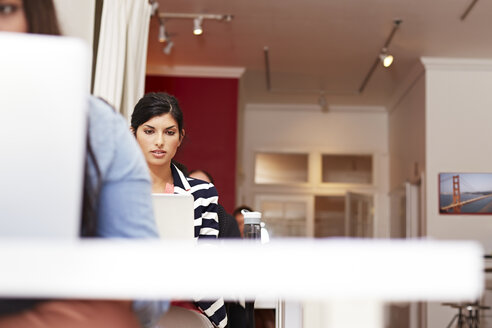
x=174, y=215
x=43, y=109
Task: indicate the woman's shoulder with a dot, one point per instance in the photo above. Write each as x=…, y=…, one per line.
x=101, y=113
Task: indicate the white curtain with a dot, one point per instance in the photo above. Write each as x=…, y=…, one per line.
x=136, y=59
x=122, y=53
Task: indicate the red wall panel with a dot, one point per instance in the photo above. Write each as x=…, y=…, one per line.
x=210, y=120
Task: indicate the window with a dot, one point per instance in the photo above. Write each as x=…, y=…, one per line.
x=359, y=215
x=284, y=218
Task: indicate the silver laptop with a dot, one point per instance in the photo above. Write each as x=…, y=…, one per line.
x=43, y=107
x=174, y=215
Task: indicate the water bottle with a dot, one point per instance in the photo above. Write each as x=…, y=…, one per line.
x=252, y=228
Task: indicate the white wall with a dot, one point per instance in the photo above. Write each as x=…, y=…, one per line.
x=459, y=132
x=407, y=133
x=458, y=139
x=76, y=19
x=298, y=127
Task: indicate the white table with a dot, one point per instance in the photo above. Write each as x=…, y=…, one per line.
x=353, y=277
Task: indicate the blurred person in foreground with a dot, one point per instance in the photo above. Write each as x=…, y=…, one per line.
x=116, y=199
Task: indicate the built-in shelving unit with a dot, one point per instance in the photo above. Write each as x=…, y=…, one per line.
x=315, y=195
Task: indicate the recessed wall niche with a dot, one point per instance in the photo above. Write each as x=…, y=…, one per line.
x=281, y=168
x=347, y=169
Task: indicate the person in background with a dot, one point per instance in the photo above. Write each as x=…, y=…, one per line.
x=201, y=175
x=116, y=199
x=240, y=217
x=157, y=124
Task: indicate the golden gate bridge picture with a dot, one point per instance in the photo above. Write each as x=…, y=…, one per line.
x=465, y=193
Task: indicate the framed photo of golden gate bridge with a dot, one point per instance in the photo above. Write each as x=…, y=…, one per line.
x=465, y=193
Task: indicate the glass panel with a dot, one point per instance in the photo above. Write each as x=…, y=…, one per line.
x=360, y=215
x=272, y=210
x=284, y=219
x=347, y=168
x=329, y=216
x=281, y=168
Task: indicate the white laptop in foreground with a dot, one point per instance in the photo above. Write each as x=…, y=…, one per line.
x=174, y=215
x=43, y=109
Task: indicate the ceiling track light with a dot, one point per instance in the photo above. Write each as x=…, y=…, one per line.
x=154, y=7
x=197, y=26
x=162, y=32
x=386, y=58
x=168, y=47
x=383, y=56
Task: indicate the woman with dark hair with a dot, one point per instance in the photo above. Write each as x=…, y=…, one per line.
x=157, y=123
x=201, y=175
x=116, y=203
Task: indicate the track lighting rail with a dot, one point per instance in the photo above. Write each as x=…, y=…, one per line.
x=219, y=17
x=468, y=9
x=396, y=25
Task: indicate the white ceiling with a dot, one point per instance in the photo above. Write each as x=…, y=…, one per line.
x=323, y=44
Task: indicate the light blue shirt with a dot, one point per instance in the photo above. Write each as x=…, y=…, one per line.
x=125, y=203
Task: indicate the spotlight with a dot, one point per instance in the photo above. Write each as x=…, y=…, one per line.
x=167, y=49
x=154, y=7
x=197, y=26
x=386, y=59
x=162, y=33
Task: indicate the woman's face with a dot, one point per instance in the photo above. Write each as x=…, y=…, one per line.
x=12, y=17
x=159, y=139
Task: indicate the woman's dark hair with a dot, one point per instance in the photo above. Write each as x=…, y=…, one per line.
x=240, y=208
x=208, y=175
x=41, y=17
x=156, y=104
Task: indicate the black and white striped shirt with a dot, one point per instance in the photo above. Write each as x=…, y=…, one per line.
x=206, y=226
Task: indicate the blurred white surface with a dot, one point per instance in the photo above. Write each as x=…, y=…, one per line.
x=297, y=269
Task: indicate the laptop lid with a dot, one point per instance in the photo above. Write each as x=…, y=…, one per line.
x=174, y=215
x=43, y=109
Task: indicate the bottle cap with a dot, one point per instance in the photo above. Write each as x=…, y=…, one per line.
x=251, y=217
